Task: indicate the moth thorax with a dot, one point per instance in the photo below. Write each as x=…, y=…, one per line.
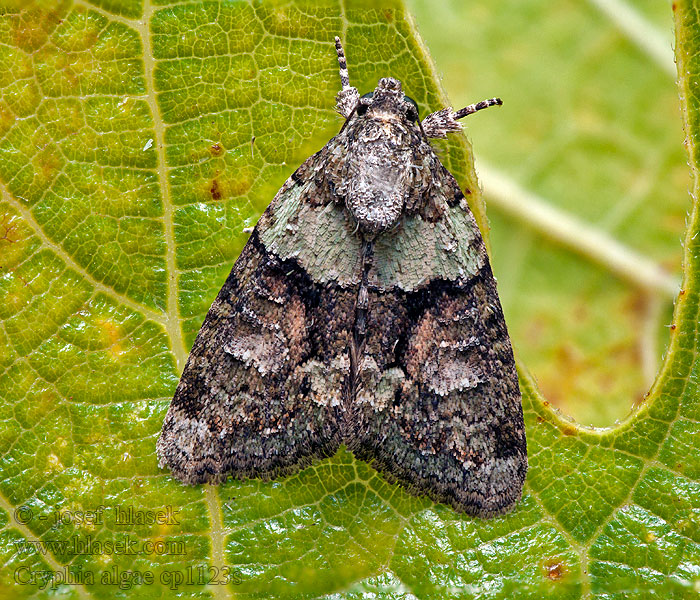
x=375, y=211
x=381, y=177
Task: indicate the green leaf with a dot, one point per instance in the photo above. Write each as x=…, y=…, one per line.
x=136, y=143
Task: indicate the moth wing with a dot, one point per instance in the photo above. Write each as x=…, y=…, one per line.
x=262, y=389
x=438, y=402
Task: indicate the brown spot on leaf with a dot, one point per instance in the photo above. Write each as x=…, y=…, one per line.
x=31, y=31
x=215, y=190
x=555, y=569
x=216, y=149
x=539, y=420
x=7, y=229
x=568, y=430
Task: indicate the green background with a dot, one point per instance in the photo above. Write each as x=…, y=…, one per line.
x=136, y=143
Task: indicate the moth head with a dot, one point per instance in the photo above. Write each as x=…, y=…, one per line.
x=388, y=101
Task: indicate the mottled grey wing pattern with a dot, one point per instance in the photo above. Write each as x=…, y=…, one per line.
x=363, y=311
x=434, y=402
x=437, y=401
x=262, y=392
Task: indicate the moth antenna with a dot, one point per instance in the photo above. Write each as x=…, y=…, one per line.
x=442, y=122
x=344, y=75
x=472, y=108
x=348, y=97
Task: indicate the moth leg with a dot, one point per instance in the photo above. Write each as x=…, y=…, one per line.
x=348, y=97
x=442, y=122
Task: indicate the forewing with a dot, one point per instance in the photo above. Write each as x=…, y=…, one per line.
x=262, y=390
x=437, y=400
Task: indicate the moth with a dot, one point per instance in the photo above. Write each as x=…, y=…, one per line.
x=362, y=311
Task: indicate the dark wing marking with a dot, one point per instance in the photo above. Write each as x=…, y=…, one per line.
x=438, y=406
x=433, y=399
x=262, y=390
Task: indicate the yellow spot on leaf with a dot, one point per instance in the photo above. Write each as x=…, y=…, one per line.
x=241, y=184
x=54, y=463
x=113, y=335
